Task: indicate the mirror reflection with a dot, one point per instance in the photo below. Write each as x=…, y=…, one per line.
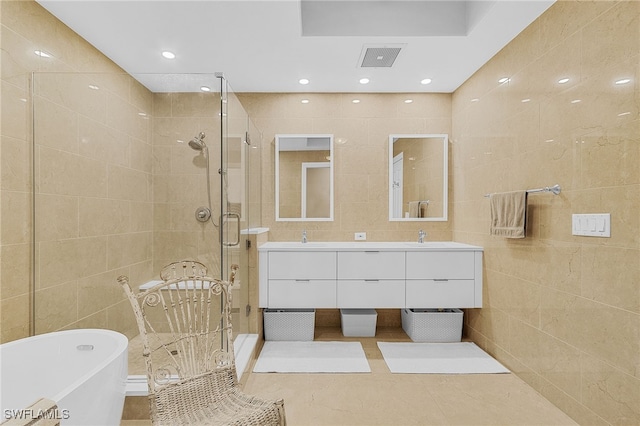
x=418, y=177
x=304, y=177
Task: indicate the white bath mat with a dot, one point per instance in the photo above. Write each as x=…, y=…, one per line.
x=438, y=358
x=311, y=357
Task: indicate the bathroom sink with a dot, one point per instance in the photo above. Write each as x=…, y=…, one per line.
x=435, y=244
x=364, y=245
x=296, y=244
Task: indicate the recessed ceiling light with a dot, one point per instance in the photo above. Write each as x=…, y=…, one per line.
x=563, y=80
x=303, y=81
x=364, y=80
x=575, y=101
x=623, y=81
x=305, y=101
x=42, y=53
x=168, y=55
x=142, y=114
x=475, y=100
x=205, y=88
x=622, y=114
x=408, y=101
x=504, y=80
x=525, y=100
x=94, y=87
x=355, y=101
x=425, y=81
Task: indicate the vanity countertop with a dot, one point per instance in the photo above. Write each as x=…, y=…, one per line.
x=368, y=245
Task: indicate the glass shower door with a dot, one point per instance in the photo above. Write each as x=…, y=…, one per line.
x=235, y=210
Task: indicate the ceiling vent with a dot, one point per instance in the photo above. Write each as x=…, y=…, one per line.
x=379, y=56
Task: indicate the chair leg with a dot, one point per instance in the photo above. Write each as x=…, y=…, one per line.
x=283, y=418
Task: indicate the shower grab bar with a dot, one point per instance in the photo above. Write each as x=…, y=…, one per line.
x=555, y=189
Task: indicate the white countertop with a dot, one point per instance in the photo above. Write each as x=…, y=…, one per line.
x=368, y=245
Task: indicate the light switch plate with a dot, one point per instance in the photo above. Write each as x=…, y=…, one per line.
x=591, y=225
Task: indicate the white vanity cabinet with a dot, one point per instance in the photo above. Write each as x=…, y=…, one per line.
x=301, y=279
x=444, y=279
x=370, y=279
x=370, y=275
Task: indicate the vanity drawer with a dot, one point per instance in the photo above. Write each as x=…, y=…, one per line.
x=371, y=265
x=302, y=265
x=440, y=294
x=438, y=265
x=302, y=294
x=371, y=293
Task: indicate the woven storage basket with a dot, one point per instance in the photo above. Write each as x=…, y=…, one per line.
x=433, y=325
x=289, y=324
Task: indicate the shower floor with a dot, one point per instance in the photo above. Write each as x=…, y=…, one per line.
x=382, y=398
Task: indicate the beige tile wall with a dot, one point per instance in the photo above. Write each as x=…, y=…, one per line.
x=561, y=311
x=92, y=175
x=179, y=184
x=361, y=151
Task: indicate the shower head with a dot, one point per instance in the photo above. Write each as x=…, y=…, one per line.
x=197, y=143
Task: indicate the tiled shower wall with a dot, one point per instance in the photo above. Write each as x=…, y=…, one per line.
x=179, y=183
x=93, y=178
x=561, y=311
x=116, y=190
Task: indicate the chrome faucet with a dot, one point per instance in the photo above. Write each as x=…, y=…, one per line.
x=421, y=235
x=304, y=236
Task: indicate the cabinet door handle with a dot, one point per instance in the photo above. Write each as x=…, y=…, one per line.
x=372, y=251
x=441, y=279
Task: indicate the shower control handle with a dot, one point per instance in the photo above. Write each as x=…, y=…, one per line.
x=203, y=214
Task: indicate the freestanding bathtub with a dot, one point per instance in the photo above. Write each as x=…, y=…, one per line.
x=84, y=371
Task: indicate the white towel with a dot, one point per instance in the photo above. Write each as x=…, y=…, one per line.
x=414, y=208
x=509, y=214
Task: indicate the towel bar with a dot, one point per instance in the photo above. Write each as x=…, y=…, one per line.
x=555, y=189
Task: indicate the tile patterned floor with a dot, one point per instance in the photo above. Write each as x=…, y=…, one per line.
x=382, y=398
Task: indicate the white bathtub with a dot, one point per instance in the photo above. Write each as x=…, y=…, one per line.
x=84, y=371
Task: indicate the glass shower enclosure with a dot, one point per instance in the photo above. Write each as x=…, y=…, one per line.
x=117, y=190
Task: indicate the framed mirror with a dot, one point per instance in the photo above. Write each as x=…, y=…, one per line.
x=418, y=177
x=304, y=177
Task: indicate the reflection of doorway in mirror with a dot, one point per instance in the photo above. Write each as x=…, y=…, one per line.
x=316, y=191
x=423, y=194
x=398, y=165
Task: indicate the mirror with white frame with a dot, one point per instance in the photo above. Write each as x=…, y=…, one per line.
x=418, y=183
x=304, y=177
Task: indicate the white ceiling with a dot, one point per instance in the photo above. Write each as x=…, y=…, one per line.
x=268, y=45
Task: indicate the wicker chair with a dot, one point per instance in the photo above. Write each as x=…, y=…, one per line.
x=185, y=326
x=184, y=268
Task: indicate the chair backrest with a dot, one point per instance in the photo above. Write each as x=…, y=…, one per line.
x=183, y=268
x=185, y=325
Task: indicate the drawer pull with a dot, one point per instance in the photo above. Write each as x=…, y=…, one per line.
x=371, y=281
x=302, y=281
x=441, y=279
x=372, y=251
